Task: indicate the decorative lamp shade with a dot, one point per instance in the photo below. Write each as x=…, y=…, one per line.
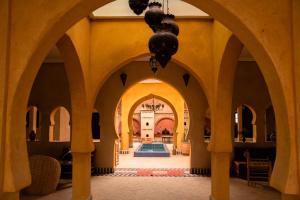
x=186, y=78
x=138, y=6
x=154, y=15
x=163, y=59
x=169, y=24
x=123, y=78
x=163, y=44
x=153, y=64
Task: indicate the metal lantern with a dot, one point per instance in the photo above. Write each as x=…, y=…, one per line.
x=154, y=15
x=163, y=44
x=153, y=64
x=163, y=59
x=169, y=24
x=186, y=78
x=138, y=6
x=123, y=78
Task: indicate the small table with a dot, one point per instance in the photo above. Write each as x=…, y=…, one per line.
x=166, y=138
x=240, y=168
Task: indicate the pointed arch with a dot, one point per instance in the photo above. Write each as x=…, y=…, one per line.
x=59, y=130
x=66, y=14
x=150, y=96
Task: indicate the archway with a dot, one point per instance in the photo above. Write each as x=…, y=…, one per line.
x=164, y=125
x=245, y=124
x=33, y=123
x=65, y=23
x=107, y=102
x=151, y=96
x=224, y=102
x=96, y=126
x=173, y=129
x=59, y=130
x=250, y=99
x=79, y=108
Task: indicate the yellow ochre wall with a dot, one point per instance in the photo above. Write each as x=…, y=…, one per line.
x=267, y=28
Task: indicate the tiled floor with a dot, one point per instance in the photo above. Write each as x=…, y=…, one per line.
x=162, y=188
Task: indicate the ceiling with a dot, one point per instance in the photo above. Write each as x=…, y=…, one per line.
x=120, y=8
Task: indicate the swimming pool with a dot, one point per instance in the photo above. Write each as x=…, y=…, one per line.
x=152, y=150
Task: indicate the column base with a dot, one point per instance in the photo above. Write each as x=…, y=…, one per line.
x=220, y=162
x=81, y=180
x=10, y=195
x=289, y=197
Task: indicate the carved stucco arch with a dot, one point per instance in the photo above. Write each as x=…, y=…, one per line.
x=150, y=96
x=19, y=162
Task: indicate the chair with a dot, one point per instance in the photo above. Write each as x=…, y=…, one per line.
x=45, y=172
x=258, y=170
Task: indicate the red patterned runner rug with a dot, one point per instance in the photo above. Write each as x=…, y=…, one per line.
x=155, y=172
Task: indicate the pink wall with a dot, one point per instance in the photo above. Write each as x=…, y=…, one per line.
x=136, y=126
x=160, y=125
x=164, y=123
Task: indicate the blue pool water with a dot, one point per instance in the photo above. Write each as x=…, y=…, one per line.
x=152, y=150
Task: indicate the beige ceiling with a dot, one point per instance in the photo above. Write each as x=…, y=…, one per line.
x=120, y=8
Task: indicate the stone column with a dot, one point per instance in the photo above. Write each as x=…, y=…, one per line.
x=124, y=141
x=220, y=162
x=81, y=176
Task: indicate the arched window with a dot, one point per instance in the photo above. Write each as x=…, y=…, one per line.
x=270, y=134
x=245, y=124
x=59, y=130
x=96, y=126
x=33, y=123
x=136, y=127
x=164, y=126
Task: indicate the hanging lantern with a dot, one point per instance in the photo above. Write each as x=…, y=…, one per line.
x=138, y=6
x=186, y=78
x=123, y=78
x=154, y=15
x=163, y=59
x=163, y=44
x=153, y=64
x=169, y=24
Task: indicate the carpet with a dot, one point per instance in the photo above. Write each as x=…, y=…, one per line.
x=155, y=172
